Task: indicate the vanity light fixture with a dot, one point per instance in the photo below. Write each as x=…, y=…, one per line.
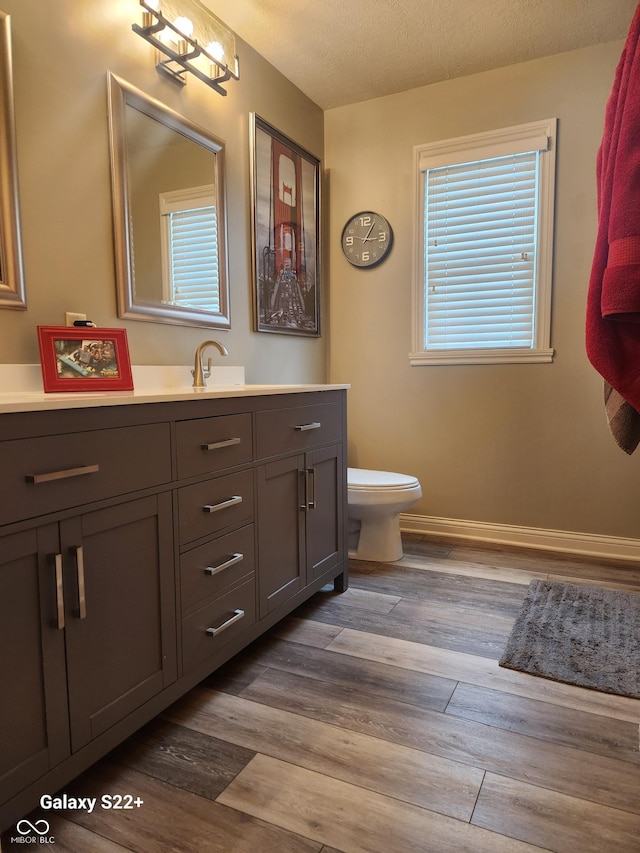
x=189, y=38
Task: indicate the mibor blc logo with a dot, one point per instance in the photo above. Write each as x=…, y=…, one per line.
x=33, y=833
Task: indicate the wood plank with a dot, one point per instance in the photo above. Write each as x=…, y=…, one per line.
x=548, y=561
x=554, y=821
x=72, y=838
x=304, y=631
x=192, y=761
x=371, y=677
x=552, y=723
x=377, y=602
x=483, y=672
x=172, y=819
x=453, y=615
x=630, y=586
x=349, y=818
x=409, y=582
x=386, y=768
x=464, y=639
x=606, y=780
x=475, y=570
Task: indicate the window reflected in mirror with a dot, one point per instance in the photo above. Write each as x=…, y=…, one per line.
x=169, y=215
x=12, y=289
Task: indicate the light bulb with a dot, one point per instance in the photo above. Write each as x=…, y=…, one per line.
x=215, y=49
x=153, y=4
x=184, y=26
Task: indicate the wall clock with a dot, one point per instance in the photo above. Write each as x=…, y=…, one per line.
x=366, y=239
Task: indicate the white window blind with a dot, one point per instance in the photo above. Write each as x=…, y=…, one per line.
x=480, y=245
x=190, y=240
x=484, y=237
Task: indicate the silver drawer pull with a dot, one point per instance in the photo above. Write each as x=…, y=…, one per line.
x=62, y=475
x=214, y=570
x=238, y=614
x=59, y=593
x=236, y=499
x=227, y=442
x=306, y=427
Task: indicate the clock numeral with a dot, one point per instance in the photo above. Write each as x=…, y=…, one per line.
x=349, y=241
x=365, y=256
x=365, y=221
x=382, y=237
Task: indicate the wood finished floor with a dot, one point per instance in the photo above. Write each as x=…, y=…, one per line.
x=379, y=720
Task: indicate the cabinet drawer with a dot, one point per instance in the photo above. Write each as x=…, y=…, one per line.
x=211, y=444
x=208, y=569
x=295, y=429
x=41, y=475
x=217, y=623
x=205, y=508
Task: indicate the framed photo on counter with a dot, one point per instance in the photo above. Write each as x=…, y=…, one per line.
x=84, y=359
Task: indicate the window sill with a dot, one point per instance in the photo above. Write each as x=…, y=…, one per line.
x=479, y=356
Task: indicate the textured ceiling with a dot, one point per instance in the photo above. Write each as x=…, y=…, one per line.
x=344, y=51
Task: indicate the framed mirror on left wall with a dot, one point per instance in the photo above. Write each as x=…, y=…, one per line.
x=12, y=287
x=168, y=212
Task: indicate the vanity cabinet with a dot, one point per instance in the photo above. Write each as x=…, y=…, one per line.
x=88, y=616
x=142, y=546
x=301, y=498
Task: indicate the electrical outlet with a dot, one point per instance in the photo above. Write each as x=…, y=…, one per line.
x=70, y=318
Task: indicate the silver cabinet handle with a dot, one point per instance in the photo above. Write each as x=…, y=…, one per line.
x=236, y=499
x=313, y=503
x=309, y=490
x=227, y=442
x=59, y=593
x=82, y=601
x=306, y=427
x=214, y=570
x=238, y=614
x=62, y=475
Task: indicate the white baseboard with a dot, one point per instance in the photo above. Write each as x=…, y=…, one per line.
x=587, y=544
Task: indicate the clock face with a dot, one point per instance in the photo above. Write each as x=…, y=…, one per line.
x=366, y=239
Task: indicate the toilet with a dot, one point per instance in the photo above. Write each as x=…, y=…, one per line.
x=376, y=499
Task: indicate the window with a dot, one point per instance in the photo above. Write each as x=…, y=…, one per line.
x=190, y=248
x=484, y=237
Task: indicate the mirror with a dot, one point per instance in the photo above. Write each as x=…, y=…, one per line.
x=12, y=291
x=168, y=213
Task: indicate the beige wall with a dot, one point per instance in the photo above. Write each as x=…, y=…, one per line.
x=523, y=445
x=62, y=50
x=509, y=444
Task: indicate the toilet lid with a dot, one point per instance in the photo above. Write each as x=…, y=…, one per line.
x=363, y=479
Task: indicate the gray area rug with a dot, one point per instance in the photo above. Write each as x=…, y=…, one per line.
x=582, y=635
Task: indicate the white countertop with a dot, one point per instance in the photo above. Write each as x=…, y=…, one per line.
x=21, y=395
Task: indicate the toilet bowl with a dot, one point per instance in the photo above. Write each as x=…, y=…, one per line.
x=376, y=499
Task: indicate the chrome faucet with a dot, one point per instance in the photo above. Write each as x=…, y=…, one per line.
x=200, y=373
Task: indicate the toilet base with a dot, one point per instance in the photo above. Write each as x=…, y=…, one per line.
x=378, y=540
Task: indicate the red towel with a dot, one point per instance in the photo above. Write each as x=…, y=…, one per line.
x=613, y=305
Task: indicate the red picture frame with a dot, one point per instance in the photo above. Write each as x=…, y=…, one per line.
x=84, y=359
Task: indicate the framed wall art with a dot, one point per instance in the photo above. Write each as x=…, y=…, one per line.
x=84, y=359
x=285, y=200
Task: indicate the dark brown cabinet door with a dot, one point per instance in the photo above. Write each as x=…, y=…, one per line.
x=33, y=709
x=281, y=531
x=120, y=627
x=300, y=522
x=324, y=518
